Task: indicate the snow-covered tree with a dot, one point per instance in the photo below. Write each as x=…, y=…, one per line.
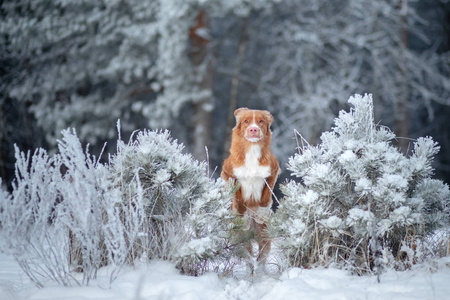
x=359, y=201
x=85, y=64
x=320, y=52
x=77, y=59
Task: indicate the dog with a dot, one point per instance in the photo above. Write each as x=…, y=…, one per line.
x=253, y=167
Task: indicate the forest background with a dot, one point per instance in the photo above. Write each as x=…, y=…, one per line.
x=187, y=65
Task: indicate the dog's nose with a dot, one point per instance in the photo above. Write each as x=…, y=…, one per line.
x=254, y=130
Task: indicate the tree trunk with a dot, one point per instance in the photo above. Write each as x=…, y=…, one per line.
x=202, y=107
x=2, y=129
x=402, y=113
x=234, y=86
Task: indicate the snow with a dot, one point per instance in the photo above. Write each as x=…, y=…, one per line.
x=310, y=197
x=160, y=280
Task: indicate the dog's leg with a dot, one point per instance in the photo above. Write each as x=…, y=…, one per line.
x=264, y=243
x=238, y=203
x=250, y=257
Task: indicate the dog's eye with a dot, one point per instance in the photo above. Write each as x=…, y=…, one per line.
x=261, y=121
x=246, y=121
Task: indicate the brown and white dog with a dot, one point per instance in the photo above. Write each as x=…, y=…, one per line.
x=252, y=165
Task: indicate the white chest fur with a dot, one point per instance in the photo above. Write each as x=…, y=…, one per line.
x=252, y=175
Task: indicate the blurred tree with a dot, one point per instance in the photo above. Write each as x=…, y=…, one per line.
x=201, y=60
x=179, y=64
x=86, y=64
x=319, y=52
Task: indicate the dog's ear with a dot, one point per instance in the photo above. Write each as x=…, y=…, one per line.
x=269, y=116
x=237, y=113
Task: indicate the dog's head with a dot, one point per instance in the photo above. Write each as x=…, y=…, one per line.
x=253, y=125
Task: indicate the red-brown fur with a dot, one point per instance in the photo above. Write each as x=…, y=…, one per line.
x=266, y=169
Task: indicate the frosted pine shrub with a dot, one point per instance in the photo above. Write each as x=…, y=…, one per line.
x=185, y=212
x=358, y=202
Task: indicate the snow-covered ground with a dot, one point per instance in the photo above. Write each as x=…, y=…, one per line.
x=160, y=280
